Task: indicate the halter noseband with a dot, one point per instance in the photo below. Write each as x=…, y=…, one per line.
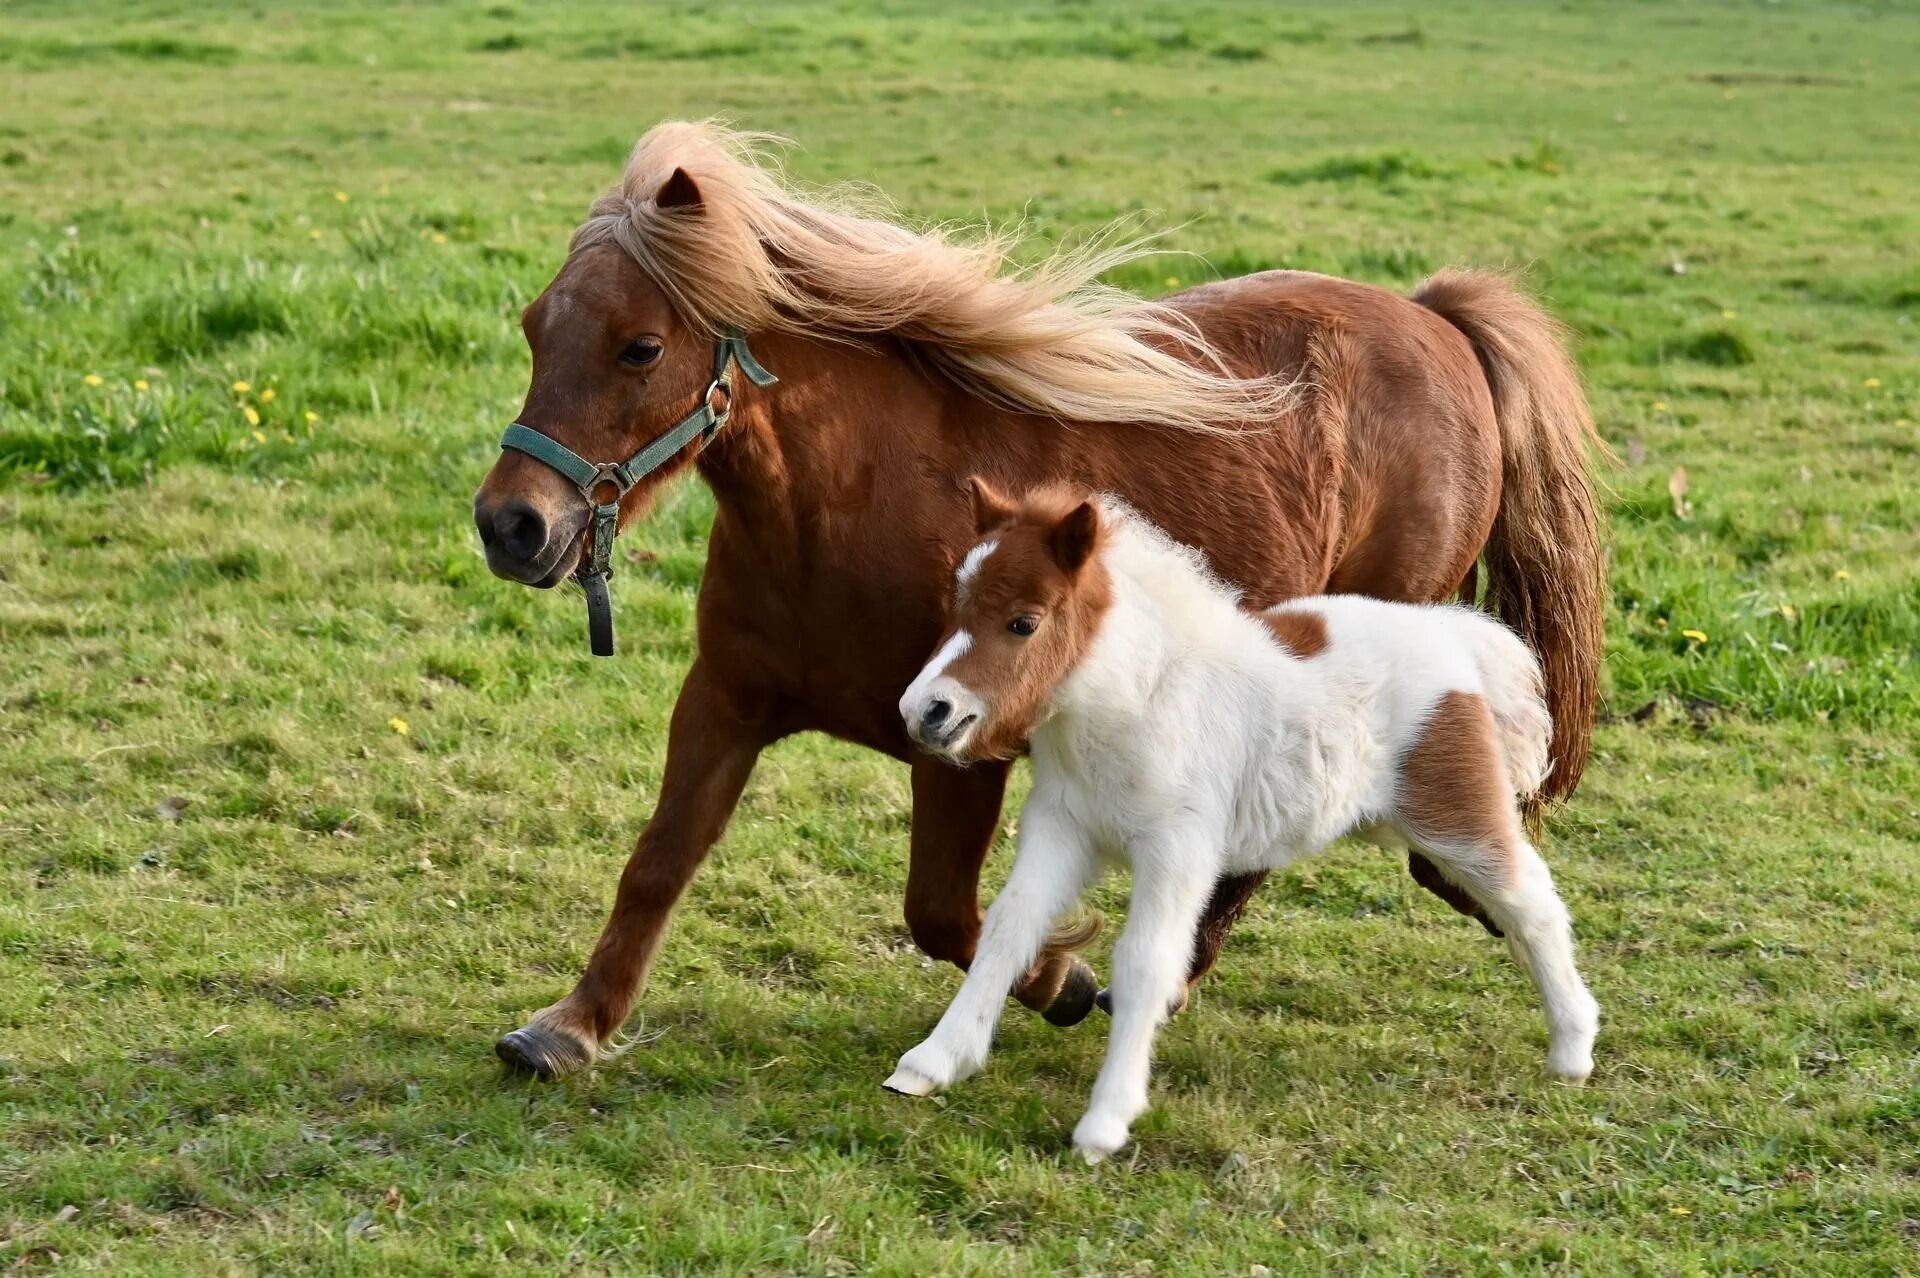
x=705, y=421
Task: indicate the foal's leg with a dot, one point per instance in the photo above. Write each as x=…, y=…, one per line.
x=1054, y=864
x=1516, y=889
x=710, y=753
x=1171, y=884
x=1224, y=908
x=955, y=814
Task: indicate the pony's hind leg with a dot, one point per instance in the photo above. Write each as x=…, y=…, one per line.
x=1454, y=806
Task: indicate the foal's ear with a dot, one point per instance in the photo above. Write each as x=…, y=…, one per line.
x=679, y=191
x=990, y=509
x=1071, y=541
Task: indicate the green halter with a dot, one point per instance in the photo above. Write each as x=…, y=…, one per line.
x=705, y=421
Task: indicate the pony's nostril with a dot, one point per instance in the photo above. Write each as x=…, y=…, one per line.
x=936, y=714
x=520, y=529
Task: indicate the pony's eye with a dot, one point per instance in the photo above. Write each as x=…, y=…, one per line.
x=641, y=353
x=1023, y=625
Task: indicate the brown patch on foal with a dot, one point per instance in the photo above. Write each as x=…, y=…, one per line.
x=1301, y=631
x=1454, y=787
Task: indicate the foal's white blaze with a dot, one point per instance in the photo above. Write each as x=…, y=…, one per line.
x=930, y=686
x=970, y=566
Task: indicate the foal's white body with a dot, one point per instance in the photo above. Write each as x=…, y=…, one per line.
x=1190, y=743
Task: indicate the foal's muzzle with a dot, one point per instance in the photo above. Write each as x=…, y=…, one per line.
x=942, y=717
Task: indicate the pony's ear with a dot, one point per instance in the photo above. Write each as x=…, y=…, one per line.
x=679, y=191
x=990, y=509
x=1071, y=541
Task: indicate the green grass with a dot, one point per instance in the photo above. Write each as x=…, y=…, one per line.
x=255, y=943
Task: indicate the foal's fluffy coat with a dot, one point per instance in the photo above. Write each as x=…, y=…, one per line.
x=1176, y=731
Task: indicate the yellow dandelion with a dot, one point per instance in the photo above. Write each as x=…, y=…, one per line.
x=1697, y=636
x=313, y=235
x=251, y=413
x=1843, y=575
x=1173, y=281
x=1873, y=383
x=140, y=383
x=93, y=379
x=266, y=396
x=241, y=388
x=398, y=725
x=1729, y=314
x=312, y=417
x=1659, y=405
x=438, y=238
x=1681, y=1211
x=340, y=196
x=1786, y=610
x=258, y=438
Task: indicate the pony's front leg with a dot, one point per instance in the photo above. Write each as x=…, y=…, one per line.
x=1052, y=867
x=1173, y=877
x=711, y=749
x=955, y=814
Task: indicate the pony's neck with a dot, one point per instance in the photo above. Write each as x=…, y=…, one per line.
x=793, y=447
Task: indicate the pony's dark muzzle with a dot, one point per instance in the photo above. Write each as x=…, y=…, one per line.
x=524, y=545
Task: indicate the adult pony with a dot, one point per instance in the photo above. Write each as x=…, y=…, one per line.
x=1311, y=435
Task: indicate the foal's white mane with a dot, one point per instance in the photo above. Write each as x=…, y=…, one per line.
x=1048, y=339
x=1176, y=577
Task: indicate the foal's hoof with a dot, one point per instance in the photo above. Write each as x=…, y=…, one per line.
x=907, y=1082
x=1078, y=993
x=545, y=1053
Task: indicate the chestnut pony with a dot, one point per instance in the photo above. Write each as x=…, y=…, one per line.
x=1309, y=434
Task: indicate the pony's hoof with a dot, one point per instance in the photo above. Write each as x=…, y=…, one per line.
x=907, y=1082
x=545, y=1053
x=1078, y=993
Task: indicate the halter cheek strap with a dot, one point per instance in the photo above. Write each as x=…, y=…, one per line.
x=590, y=478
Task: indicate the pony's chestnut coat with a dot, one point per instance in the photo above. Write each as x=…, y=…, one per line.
x=1191, y=739
x=1393, y=440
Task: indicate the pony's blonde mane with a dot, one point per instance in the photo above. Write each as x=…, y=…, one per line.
x=1049, y=339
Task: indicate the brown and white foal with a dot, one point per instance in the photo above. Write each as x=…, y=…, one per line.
x=1190, y=738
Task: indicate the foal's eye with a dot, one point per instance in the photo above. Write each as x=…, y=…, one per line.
x=1023, y=626
x=641, y=353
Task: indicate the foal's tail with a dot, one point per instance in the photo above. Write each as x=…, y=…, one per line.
x=1510, y=680
x=1545, y=567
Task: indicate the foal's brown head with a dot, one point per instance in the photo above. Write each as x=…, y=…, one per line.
x=614, y=365
x=1026, y=603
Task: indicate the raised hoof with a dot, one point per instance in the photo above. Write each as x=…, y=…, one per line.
x=544, y=1053
x=1078, y=993
x=907, y=1082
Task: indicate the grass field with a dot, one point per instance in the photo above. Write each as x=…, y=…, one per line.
x=302, y=807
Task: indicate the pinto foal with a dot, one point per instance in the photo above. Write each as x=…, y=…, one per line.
x=1192, y=738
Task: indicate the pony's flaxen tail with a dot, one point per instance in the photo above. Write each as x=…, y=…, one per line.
x=1545, y=566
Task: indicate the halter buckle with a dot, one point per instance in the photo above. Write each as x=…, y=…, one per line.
x=718, y=386
x=604, y=473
